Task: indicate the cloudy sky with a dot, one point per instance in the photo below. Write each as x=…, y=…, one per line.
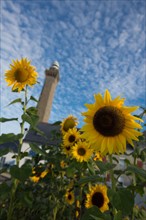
x=99, y=44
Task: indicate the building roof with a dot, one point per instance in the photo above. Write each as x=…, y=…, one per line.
x=47, y=134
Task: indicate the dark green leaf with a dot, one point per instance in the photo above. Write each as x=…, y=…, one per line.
x=70, y=170
x=95, y=212
x=21, y=173
x=33, y=99
x=122, y=200
x=4, y=190
x=118, y=216
x=15, y=101
x=5, y=138
x=57, y=123
x=4, y=151
x=89, y=179
x=91, y=168
x=38, y=150
x=105, y=166
x=8, y=119
x=32, y=120
x=31, y=111
x=137, y=170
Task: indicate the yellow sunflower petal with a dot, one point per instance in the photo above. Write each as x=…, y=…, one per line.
x=107, y=97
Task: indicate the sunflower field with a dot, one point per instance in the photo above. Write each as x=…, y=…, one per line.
x=82, y=177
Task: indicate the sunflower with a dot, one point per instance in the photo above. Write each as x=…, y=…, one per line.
x=97, y=196
x=20, y=74
x=63, y=164
x=38, y=174
x=66, y=150
x=67, y=123
x=97, y=157
x=69, y=197
x=109, y=124
x=71, y=136
x=81, y=151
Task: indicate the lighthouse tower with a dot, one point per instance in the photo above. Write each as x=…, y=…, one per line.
x=48, y=90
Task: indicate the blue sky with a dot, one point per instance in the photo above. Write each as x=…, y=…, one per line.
x=99, y=44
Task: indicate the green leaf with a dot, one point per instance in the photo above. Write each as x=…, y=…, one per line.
x=91, y=213
x=21, y=173
x=118, y=215
x=137, y=170
x=91, y=168
x=105, y=166
x=70, y=170
x=38, y=150
x=32, y=120
x=15, y=101
x=57, y=123
x=4, y=151
x=31, y=111
x=89, y=179
x=4, y=190
x=122, y=200
x=8, y=119
x=33, y=99
x=5, y=138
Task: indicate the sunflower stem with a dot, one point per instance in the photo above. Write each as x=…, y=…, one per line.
x=113, y=183
x=18, y=158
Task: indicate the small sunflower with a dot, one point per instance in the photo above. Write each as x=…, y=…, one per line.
x=68, y=123
x=98, y=196
x=20, y=74
x=38, y=174
x=109, y=124
x=66, y=150
x=97, y=156
x=71, y=137
x=35, y=179
x=81, y=151
x=69, y=197
x=63, y=164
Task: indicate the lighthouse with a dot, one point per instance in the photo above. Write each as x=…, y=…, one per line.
x=48, y=90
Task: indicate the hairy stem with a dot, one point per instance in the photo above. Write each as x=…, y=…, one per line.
x=18, y=158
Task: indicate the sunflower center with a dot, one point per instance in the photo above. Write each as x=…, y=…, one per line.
x=81, y=151
x=69, y=197
x=71, y=138
x=70, y=123
x=21, y=75
x=98, y=199
x=109, y=121
x=68, y=148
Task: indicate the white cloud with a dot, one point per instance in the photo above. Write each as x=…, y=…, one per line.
x=98, y=44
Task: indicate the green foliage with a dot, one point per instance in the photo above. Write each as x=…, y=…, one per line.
x=5, y=138
x=8, y=119
x=15, y=101
x=21, y=173
x=38, y=184
x=122, y=200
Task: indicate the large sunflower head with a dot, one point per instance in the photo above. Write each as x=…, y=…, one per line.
x=71, y=137
x=69, y=197
x=81, y=151
x=109, y=124
x=20, y=74
x=68, y=123
x=97, y=196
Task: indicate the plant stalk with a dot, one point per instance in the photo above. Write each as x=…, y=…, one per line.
x=18, y=158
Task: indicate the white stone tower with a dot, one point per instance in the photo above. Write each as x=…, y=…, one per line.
x=48, y=90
